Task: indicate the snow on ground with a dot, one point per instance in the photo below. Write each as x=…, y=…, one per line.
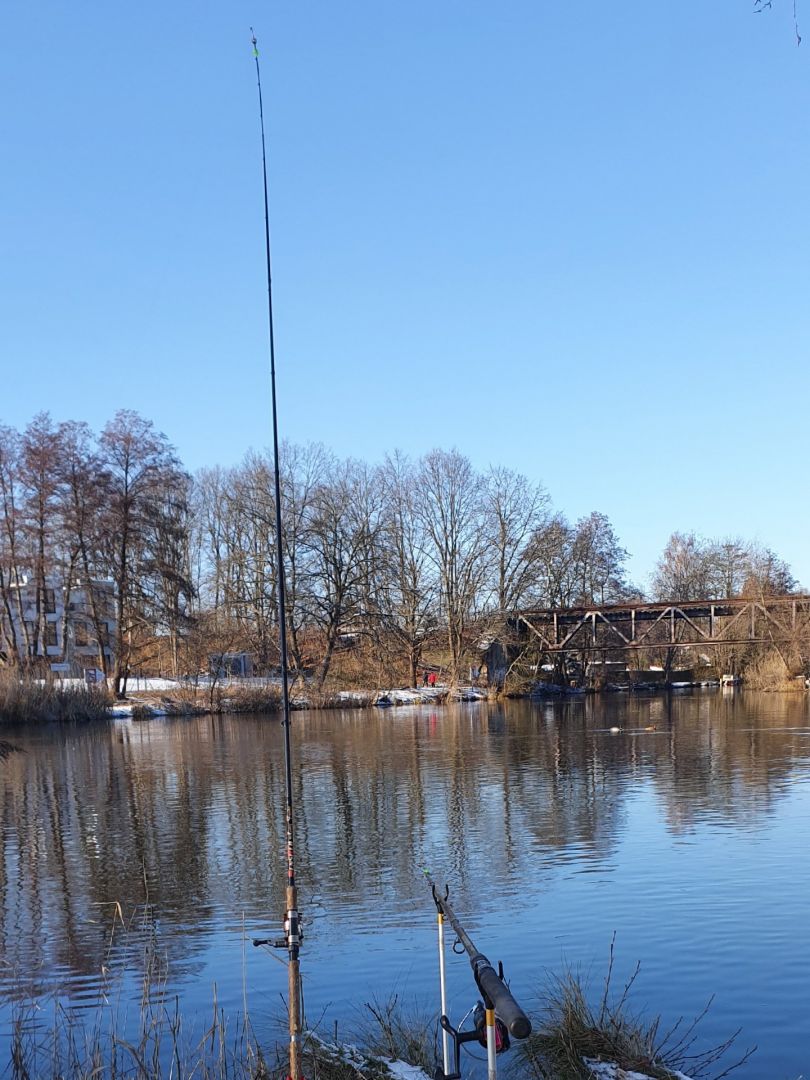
x=347, y=1052
x=607, y=1070
x=429, y=695
x=403, y=1071
x=123, y=711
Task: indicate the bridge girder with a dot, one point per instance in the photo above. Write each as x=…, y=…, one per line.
x=696, y=623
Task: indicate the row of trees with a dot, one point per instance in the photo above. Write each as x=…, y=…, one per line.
x=694, y=568
x=397, y=552
x=398, y=555
x=77, y=508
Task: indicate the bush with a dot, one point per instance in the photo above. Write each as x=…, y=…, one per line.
x=572, y=1034
x=768, y=671
x=35, y=701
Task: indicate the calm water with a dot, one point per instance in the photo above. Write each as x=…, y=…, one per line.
x=689, y=840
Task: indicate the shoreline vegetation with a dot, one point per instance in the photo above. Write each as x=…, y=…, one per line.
x=577, y=1034
x=391, y=567
x=37, y=701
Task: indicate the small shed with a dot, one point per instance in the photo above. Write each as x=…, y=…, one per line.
x=231, y=665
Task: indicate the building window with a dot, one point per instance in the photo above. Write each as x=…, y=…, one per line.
x=50, y=634
x=80, y=634
x=49, y=601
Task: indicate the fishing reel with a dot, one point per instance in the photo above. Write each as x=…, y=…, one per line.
x=478, y=1034
x=283, y=943
x=479, y=1019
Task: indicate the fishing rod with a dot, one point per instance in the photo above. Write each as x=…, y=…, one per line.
x=501, y=1014
x=292, y=920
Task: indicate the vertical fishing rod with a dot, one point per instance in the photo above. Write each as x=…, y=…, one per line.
x=443, y=991
x=292, y=938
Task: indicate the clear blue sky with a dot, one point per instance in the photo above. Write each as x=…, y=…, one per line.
x=569, y=238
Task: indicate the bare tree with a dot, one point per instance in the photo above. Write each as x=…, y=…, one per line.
x=14, y=639
x=39, y=478
x=598, y=560
x=684, y=571
x=142, y=468
x=515, y=511
x=766, y=574
x=553, y=556
x=344, y=525
x=404, y=588
x=451, y=510
x=83, y=493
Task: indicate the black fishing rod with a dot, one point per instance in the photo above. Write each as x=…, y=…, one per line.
x=292, y=928
x=500, y=1006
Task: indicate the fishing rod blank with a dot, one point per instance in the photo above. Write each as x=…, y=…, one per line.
x=292, y=920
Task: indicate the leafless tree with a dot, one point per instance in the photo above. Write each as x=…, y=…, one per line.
x=83, y=493
x=515, y=511
x=404, y=586
x=684, y=570
x=553, y=549
x=598, y=561
x=452, y=514
x=12, y=622
x=303, y=469
x=344, y=525
x=39, y=480
x=144, y=477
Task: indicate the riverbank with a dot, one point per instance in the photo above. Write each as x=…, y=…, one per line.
x=571, y=1040
x=71, y=701
x=36, y=702
x=148, y=703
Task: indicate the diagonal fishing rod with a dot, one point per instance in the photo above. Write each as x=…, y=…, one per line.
x=292, y=930
x=501, y=1014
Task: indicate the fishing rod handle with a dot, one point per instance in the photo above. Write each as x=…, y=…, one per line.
x=495, y=989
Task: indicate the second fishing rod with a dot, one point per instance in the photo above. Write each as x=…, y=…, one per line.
x=502, y=1016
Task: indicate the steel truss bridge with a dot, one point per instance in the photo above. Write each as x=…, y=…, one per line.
x=697, y=623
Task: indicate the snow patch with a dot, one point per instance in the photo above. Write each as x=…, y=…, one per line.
x=609, y=1070
x=403, y=1071
x=428, y=695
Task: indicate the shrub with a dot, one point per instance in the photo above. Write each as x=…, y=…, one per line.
x=35, y=701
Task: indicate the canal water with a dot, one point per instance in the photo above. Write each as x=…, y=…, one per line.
x=679, y=824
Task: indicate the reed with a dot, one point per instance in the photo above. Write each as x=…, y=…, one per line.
x=571, y=1035
x=39, y=701
x=768, y=671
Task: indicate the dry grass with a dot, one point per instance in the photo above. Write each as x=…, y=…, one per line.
x=66, y=1045
x=263, y=699
x=164, y=1045
x=32, y=701
x=149, y=1037
x=768, y=671
x=400, y=1034
x=571, y=1031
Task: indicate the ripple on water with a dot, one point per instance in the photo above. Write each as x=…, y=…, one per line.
x=688, y=841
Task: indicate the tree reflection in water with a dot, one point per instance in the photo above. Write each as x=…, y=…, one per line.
x=185, y=816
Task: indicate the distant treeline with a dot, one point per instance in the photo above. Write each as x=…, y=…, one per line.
x=399, y=555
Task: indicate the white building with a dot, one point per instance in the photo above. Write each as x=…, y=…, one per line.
x=67, y=631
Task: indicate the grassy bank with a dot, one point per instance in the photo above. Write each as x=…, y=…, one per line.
x=572, y=1037
x=576, y=1036
x=31, y=701
x=52, y=1042
x=35, y=701
x=572, y=1041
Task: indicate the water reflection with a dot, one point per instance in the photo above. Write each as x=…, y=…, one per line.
x=187, y=816
x=183, y=819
